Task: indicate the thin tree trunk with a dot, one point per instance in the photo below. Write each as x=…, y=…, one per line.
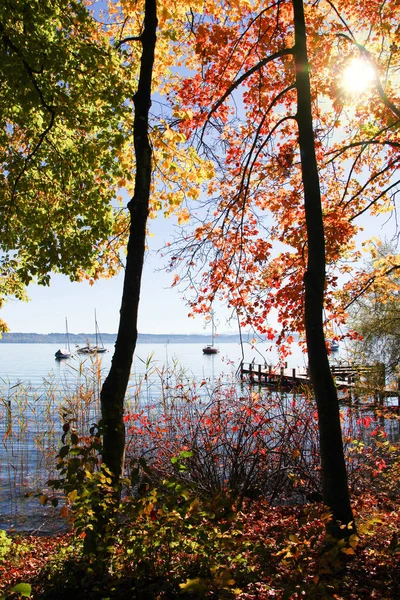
x=114, y=388
x=334, y=476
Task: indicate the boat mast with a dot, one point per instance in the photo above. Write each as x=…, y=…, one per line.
x=95, y=326
x=66, y=331
x=98, y=335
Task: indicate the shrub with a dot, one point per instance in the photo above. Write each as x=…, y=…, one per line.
x=242, y=443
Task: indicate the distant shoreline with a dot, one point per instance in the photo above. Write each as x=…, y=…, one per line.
x=110, y=338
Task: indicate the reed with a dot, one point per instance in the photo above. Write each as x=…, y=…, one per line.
x=243, y=442
x=31, y=420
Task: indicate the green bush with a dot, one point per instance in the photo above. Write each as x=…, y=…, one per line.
x=5, y=544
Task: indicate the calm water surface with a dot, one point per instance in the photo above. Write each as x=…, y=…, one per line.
x=34, y=363
x=30, y=423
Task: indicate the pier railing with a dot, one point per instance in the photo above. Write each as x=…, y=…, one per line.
x=351, y=378
x=268, y=375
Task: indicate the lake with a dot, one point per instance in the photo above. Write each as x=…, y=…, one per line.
x=36, y=362
x=33, y=383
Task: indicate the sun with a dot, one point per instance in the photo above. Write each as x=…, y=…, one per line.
x=357, y=76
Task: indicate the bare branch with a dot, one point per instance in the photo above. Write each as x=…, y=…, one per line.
x=374, y=201
x=361, y=143
x=339, y=16
x=371, y=180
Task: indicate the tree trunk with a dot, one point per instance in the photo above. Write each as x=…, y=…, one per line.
x=114, y=387
x=334, y=476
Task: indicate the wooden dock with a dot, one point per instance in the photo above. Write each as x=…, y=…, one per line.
x=351, y=380
x=274, y=377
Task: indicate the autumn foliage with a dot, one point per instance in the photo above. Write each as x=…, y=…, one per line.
x=222, y=500
x=251, y=245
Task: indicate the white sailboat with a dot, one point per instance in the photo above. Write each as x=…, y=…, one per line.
x=98, y=348
x=64, y=352
x=210, y=348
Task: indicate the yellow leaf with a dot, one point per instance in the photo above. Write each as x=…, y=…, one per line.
x=348, y=550
x=183, y=216
x=194, y=506
x=72, y=495
x=169, y=134
x=196, y=585
x=353, y=540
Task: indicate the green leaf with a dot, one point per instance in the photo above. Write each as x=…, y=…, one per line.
x=25, y=589
x=186, y=454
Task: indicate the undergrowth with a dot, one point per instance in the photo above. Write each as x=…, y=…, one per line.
x=220, y=499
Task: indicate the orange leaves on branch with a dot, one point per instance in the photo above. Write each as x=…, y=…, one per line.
x=242, y=105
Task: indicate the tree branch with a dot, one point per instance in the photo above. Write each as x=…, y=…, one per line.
x=50, y=109
x=242, y=78
x=369, y=283
x=133, y=38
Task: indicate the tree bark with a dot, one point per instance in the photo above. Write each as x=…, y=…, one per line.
x=334, y=476
x=114, y=387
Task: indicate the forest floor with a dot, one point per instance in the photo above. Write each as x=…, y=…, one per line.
x=262, y=552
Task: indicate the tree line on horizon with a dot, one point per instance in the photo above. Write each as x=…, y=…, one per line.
x=109, y=338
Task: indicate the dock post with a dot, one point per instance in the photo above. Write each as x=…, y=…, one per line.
x=259, y=373
x=381, y=383
x=398, y=395
x=9, y=418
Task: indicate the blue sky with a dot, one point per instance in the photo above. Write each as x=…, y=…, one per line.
x=162, y=309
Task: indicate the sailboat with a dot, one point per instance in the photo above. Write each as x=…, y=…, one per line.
x=64, y=352
x=334, y=345
x=98, y=348
x=210, y=348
